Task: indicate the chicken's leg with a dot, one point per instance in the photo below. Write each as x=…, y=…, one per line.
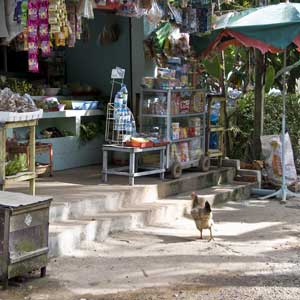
x=200, y=234
x=211, y=236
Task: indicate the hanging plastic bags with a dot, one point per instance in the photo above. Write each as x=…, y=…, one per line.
x=154, y=14
x=86, y=9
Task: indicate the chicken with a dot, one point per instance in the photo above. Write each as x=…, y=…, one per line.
x=202, y=216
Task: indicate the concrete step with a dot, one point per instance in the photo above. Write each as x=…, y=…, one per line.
x=136, y=217
x=67, y=236
x=74, y=206
x=90, y=199
x=251, y=175
x=219, y=194
x=91, y=213
x=196, y=181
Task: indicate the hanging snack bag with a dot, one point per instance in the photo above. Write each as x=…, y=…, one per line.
x=43, y=28
x=32, y=25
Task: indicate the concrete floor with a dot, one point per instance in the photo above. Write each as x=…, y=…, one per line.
x=66, y=180
x=255, y=255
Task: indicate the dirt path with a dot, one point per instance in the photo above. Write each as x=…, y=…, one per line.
x=255, y=255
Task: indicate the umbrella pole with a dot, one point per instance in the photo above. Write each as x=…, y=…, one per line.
x=283, y=192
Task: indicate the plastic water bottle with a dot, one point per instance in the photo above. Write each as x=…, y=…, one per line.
x=118, y=101
x=124, y=93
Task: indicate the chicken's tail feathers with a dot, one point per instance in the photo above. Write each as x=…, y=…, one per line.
x=207, y=206
x=195, y=199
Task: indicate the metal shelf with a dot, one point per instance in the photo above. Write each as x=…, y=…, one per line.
x=174, y=116
x=172, y=90
x=186, y=139
x=153, y=116
x=168, y=118
x=72, y=113
x=155, y=91
x=188, y=115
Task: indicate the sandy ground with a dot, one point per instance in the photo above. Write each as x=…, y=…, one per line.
x=255, y=255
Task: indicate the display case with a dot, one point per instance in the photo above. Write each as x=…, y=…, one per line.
x=177, y=116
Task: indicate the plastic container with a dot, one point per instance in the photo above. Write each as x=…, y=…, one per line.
x=85, y=105
x=51, y=91
x=137, y=144
x=124, y=92
x=118, y=101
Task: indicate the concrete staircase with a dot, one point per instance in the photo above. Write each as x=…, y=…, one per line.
x=98, y=212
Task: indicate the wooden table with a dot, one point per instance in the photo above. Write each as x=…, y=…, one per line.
x=132, y=170
x=29, y=175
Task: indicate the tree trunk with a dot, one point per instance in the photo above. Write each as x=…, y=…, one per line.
x=259, y=102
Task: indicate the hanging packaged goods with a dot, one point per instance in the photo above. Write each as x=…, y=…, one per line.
x=47, y=24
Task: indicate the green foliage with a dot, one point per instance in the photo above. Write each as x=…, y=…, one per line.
x=270, y=77
x=18, y=164
x=242, y=118
x=20, y=86
x=91, y=130
x=213, y=67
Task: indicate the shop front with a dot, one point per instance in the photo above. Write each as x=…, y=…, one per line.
x=60, y=54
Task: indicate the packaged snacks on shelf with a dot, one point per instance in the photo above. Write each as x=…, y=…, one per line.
x=184, y=152
x=166, y=73
x=191, y=131
x=175, y=104
x=184, y=106
x=198, y=102
x=183, y=132
x=175, y=131
x=194, y=122
x=175, y=153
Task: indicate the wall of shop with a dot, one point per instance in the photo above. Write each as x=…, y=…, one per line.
x=91, y=63
x=149, y=65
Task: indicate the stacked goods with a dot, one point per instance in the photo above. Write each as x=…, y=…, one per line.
x=198, y=102
x=58, y=21
x=14, y=107
x=175, y=131
x=182, y=132
x=180, y=152
x=182, y=103
x=186, y=151
x=11, y=102
x=160, y=35
x=157, y=106
x=195, y=123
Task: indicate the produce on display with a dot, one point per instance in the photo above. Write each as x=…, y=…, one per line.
x=18, y=164
x=21, y=86
x=11, y=102
x=88, y=132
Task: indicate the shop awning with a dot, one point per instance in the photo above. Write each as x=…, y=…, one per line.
x=269, y=28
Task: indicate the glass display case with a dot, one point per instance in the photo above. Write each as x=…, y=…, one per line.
x=177, y=116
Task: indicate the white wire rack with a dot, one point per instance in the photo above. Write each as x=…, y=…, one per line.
x=120, y=124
